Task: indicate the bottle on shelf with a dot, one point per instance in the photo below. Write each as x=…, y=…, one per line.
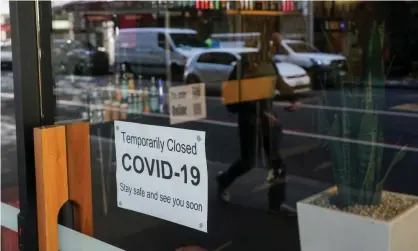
x=211, y=5
x=124, y=86
x=233, y=5
x=265, y=5
x=108, y=110
x=247, y=4
x=241, y=5
x=139, y=96
x=117, y=87
x=115, y=110
x=252, y=4
x=124, y=111
x=161, y=95
x=228, y=5
x=146, y=98
x=280, y=6
x=131, y=82
x=117, y=78
x=131, y=104
x=258, y=5
x=154, y=97
x=108, y=91
x=118, y=94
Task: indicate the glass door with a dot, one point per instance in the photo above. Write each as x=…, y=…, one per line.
x=272, y=158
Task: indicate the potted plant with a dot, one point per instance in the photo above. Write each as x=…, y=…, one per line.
x=357, y=214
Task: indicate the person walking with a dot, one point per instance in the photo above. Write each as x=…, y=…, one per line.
x=258, y=124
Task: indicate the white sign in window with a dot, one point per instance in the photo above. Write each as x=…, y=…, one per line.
x=187, y=103
x=162, y=172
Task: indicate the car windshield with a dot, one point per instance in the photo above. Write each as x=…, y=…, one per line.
x=301, y=47
x=187, y=40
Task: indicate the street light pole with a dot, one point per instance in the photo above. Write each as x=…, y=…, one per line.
x=310, y=21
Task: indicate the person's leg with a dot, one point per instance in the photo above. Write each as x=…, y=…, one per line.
x=272, y=135
x=247, y=139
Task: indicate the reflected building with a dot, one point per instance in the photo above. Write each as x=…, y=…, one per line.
x=344, y=27
x=99, y=21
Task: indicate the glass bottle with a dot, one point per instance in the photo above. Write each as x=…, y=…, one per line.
x=139, y=96
x=154, y=97
x=146, y=98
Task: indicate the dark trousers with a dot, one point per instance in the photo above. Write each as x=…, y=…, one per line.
x=255, y=133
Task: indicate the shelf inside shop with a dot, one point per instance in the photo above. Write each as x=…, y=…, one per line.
x=261, y=13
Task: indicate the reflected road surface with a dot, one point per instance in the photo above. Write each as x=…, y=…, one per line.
x=308, y=160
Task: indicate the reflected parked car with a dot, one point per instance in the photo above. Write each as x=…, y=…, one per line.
x=213, y=66
x=79, y=58
x=149, y=51
x=323, y=67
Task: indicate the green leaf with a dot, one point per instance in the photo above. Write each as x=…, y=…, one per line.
x=382, y=34
x=398, y=157
x=336, y=153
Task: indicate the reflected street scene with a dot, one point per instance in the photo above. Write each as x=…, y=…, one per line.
x=306, y=113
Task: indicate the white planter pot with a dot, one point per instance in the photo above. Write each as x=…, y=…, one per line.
x=323, y=229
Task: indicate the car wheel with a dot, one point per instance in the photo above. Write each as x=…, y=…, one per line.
x=176, y=72
x=318, y=82
x=192, y=79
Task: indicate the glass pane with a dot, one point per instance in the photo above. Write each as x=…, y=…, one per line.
x=297, y=98
x=9, y=181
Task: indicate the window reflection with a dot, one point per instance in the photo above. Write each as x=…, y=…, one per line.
x=187, y=40
x=136, y=61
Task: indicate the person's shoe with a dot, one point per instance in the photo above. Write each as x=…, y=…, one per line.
x=223, y=195
x=283, y=211
x=275, y=175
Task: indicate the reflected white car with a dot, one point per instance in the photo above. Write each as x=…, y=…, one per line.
x=213, y=66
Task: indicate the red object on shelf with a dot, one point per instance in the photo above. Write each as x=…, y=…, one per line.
x=9, y=239
x=5, y=27
x=289, y=5
x=202, y=4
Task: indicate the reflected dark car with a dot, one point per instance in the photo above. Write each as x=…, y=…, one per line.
x=79, y=58
x=6, y=57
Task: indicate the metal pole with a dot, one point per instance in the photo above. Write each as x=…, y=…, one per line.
x=310, y=23
x=34, y=103
x=47, y=82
